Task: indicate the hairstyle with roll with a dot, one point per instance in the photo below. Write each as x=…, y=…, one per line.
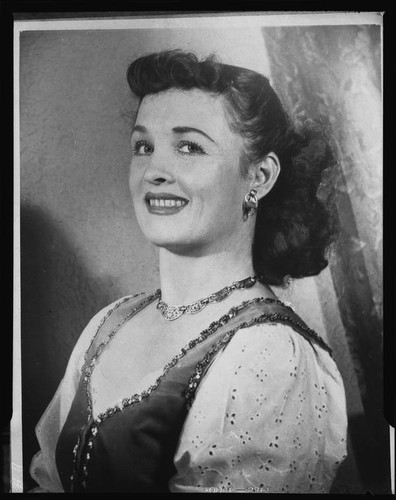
x=294, y=226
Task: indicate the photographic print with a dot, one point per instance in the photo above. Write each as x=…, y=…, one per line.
x=199, y=225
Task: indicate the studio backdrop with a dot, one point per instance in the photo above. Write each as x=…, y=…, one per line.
x=81, y=247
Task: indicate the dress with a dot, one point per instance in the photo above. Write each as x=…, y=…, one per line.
x=254, y=403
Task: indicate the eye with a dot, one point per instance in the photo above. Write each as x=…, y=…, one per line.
x=190, y=148
x=142, y=148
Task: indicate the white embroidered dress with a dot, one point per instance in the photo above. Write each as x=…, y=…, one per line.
x=269, y=416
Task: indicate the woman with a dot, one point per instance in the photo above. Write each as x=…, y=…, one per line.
x=210, y=383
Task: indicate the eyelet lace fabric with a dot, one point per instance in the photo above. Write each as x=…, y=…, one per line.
x=268, y=416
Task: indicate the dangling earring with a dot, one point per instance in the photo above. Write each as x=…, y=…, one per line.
x=250, y=204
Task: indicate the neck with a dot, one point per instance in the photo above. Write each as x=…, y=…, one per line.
x=187, y=278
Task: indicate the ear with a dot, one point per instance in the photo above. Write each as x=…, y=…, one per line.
x=265, y=174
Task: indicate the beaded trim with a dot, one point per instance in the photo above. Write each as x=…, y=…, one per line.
x=89, y=369
x=109, y=312
x=266, y=317
x=194, y=380
x=87, y=372
x=136, y=398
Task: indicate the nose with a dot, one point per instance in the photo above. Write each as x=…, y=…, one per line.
x=158, y=171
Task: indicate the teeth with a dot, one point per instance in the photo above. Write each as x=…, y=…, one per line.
x=166, y=203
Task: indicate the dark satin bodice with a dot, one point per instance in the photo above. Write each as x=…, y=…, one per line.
x=130, y=448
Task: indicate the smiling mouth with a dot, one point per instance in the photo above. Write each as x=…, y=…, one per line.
x=155, y=202
x=164, y=203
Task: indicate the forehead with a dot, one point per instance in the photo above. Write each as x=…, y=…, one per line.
x=178, y=107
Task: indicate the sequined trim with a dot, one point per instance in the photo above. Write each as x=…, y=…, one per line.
x=87, y=372
x=109, y=312
x=137, y=398
x=202, y=365
x=75, y=472
x=89, y=369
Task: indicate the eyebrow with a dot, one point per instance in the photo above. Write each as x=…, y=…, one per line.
x=183, y=130
x=139, y=128
x=176, y=130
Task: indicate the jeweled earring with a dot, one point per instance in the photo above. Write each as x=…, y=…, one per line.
x=250, y=204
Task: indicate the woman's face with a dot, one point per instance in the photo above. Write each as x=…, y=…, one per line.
x=185, y=178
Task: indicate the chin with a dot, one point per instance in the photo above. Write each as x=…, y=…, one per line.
x=173, y=233
x=164, y=235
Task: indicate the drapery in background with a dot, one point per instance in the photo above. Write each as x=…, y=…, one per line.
x=332, y=74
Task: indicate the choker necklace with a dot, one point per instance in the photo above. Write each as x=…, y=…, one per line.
x=174, y=312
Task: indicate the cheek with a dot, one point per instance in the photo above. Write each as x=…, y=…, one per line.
x=229, y=185
x=220, y=199
x=135, y=181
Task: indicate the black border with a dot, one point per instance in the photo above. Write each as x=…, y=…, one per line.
x=11, y=11
x=389, y=258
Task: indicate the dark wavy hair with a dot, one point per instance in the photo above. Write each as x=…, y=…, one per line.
x=294, y=224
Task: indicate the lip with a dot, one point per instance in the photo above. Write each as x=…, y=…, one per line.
x=163, y=210
x=163, y=196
